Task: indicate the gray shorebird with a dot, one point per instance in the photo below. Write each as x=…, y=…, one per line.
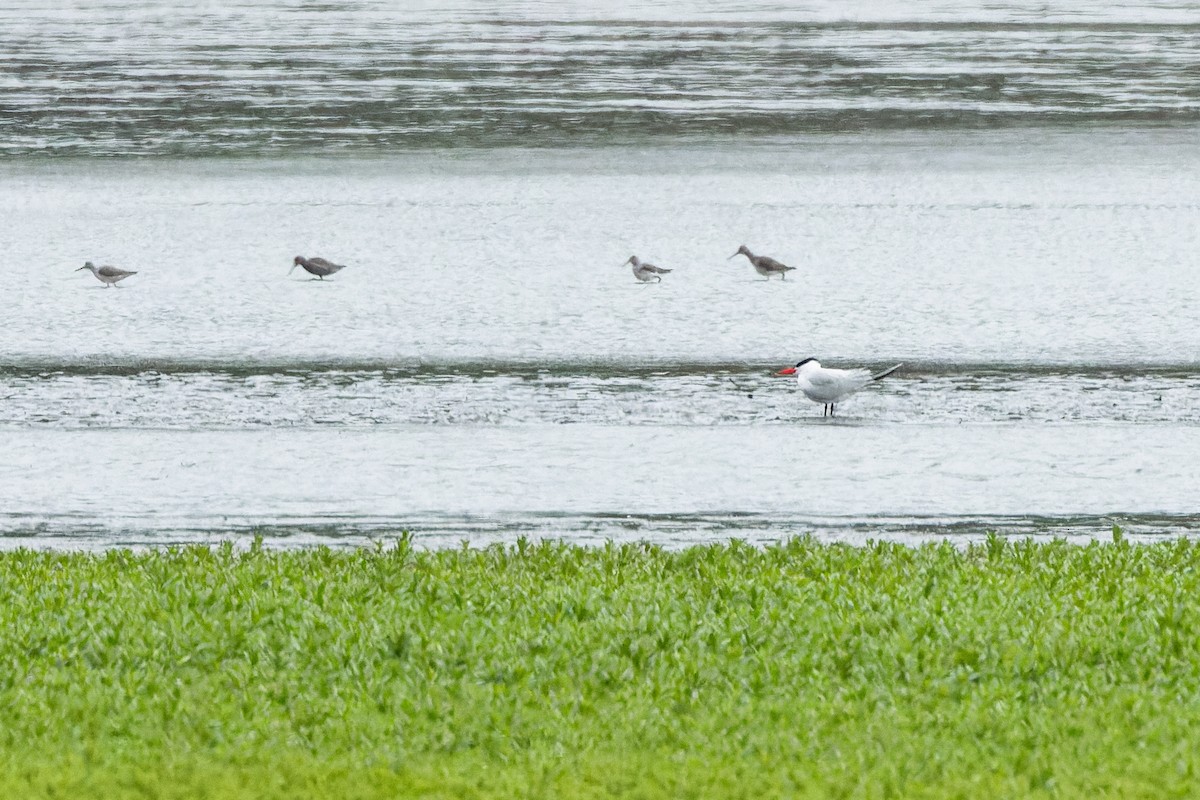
x=107, y=275
x=316, y=266
x=646, y=272
x=831, y=386
x=764, y=265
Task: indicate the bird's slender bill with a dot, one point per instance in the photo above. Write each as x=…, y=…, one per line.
x=787, y=371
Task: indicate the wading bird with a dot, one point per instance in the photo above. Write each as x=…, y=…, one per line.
x=107, y=275
x=764, y=265
x=831, y=386
x=316, y=266
x=646, y=272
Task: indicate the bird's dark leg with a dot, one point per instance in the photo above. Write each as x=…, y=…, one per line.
x=832, y=408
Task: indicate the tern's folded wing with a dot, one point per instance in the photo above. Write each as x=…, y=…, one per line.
x=839, y=381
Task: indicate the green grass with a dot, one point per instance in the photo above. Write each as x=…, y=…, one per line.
x=804, y=670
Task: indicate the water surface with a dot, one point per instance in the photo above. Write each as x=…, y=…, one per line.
x=121, y=78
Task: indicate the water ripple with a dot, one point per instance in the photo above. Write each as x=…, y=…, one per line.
x=116, y=78
x=217, y=401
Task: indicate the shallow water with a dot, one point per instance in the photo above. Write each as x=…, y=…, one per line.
x=277, y=76
x=675, y=484
x=486, y=367
x=1008, y=247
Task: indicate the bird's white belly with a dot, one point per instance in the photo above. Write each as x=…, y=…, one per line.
x=822, y=394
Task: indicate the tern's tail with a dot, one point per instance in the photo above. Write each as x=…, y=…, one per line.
x=887, y=372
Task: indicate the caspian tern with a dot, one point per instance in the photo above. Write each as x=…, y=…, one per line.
x=764, y=265
x=646, y=272
x=831, y=386
x=107, y=275
x=316, y=266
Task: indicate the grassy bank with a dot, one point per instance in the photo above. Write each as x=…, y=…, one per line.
x=558, y=672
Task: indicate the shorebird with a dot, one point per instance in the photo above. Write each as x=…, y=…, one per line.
x=764, y=265
x=106, y=275
x=831, y=386
x=646, y=272
x=316, y=266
